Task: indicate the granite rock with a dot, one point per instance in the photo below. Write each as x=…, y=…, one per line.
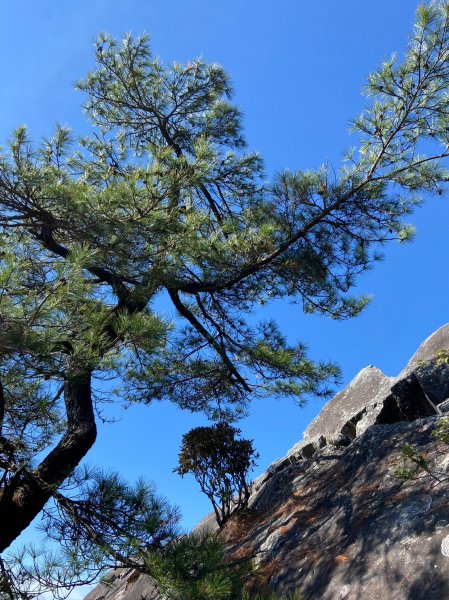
x=439, y=340
x=125, y=584
x=330, y=518
x=433, y=377
x=345, y=527
x=341, y=414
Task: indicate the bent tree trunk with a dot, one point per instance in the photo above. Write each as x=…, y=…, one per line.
x=27, y=492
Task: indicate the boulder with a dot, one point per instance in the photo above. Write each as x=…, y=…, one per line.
x=433, y=377
x=341, y=414
x=372, y=397
x=125, y=584
x=439, y=340
x=415, y=393
x=411, y=400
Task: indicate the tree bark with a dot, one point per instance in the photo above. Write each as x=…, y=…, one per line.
x=27, y=492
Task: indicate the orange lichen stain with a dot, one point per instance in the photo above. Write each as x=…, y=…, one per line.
x=284, y=529
x=241, y=554
x=283, y=510
x=366, y=489
x=392, y=461
x=312, y=518
x=300, y=495
x=265, y=573
x=240, y=525
x=341, y=558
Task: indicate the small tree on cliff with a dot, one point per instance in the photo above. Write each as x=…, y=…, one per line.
x=220, y=463
x=163, y=200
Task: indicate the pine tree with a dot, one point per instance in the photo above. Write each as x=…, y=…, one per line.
x=164, y=200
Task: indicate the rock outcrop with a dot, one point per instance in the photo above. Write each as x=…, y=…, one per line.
x=126, y=584
x=330, y=518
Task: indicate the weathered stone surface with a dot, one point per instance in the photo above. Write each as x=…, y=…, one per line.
x=411, y=395
x=338, y=440
x=434, y=381
x=345, y=527
x=304, y=449
x=340, y=525
x=341, y=412
x=125, y=584
x=330, y=518
x=411, y=400
x=433, y=376
x=264, y=495
x=428, y=349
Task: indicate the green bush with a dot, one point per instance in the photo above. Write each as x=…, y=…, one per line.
x=220, y=463
x=441, y=431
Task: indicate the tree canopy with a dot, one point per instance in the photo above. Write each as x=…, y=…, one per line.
x=220, y=463
x=163, y=200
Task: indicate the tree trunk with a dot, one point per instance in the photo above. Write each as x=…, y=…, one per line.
x=27, y=492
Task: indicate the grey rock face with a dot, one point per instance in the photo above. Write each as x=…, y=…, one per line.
x=372, y=397
x=439, y=340
x=125, y=584
x=411, y=400
x=433, y=377
x=330, y=518
x=444, y=406
x=345, y=527
x=341, y=414
x=339, y=440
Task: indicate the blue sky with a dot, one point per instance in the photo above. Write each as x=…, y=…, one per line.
x=298, y=69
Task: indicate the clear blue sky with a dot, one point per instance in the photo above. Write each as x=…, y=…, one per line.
x=298, y=68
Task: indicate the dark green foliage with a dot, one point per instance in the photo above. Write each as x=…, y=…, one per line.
x=442, y=357
x=97, y=521
x=411, y=455
x=441, y=431
x=414, y=463
x=195, y=567
x=220, y=463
